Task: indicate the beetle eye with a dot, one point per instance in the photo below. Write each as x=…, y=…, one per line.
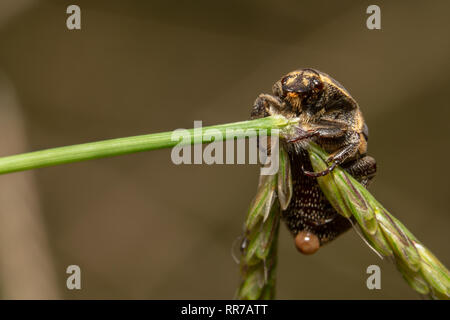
x=317, y=85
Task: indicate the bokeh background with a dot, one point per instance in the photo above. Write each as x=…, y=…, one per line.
x=141, y=227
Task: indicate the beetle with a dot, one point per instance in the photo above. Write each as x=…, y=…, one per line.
x=329, y=116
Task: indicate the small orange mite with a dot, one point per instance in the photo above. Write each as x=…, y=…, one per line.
x=307, y=242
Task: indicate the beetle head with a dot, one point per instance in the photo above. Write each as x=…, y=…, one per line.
x=302, y=90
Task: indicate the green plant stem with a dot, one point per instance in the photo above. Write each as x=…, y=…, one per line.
x=382, y=231
x=120, y=146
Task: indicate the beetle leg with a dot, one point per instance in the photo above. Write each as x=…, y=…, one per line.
x=352, y=142
x=321, y=132
x=362, y=169
x=302, y=135
x=338, y=157
x=264, y=106
x=321, y=173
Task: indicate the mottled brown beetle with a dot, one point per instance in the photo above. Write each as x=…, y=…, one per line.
x=331, y=118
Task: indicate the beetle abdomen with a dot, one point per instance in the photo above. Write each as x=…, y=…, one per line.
x=309, y=210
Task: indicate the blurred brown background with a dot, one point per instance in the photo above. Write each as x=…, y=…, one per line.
x=142, y=227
